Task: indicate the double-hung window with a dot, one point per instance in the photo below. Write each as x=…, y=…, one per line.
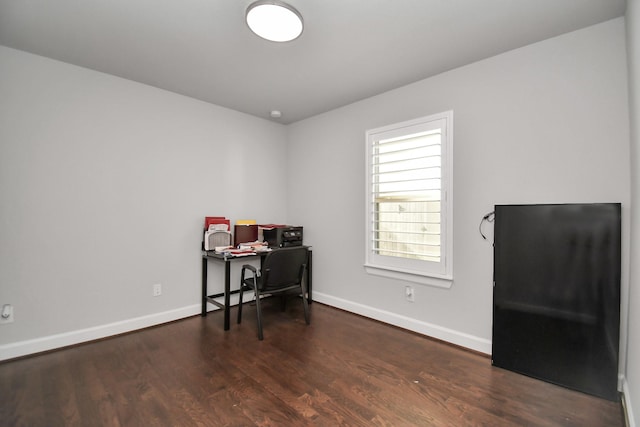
x=409, y=197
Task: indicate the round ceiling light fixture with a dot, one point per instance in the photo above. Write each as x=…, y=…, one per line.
x=274, y=20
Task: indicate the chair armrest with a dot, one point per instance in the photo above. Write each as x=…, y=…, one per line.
x=250, y=267
x=254, y=270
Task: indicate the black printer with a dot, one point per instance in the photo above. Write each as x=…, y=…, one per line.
x=283, y=237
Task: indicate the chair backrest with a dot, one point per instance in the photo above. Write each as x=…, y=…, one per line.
x=284, y=267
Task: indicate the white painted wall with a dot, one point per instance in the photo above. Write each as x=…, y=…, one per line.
x=632, y=385
x=547, y=123
x=104, y=184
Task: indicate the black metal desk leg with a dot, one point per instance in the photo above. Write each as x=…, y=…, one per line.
x=227, y=294
x=309, y=276
x=204, y=286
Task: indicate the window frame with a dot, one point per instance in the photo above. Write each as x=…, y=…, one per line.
x=439, y=274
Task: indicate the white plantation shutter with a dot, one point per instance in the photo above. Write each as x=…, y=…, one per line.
x=406, y=178
x=408, y=193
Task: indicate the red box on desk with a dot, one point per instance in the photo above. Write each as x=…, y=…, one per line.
x=208, y=220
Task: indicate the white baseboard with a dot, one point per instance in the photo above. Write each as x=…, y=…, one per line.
x=449, y=335
x=52, y=342
x=627, y=404
x=24, y=348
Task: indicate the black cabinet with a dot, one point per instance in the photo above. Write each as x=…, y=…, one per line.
x=556, y=314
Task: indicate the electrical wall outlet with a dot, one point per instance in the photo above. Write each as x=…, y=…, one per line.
x=6, y=313
x=157, y=289
x=409, y=293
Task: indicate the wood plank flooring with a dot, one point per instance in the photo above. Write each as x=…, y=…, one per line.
x=342, y=370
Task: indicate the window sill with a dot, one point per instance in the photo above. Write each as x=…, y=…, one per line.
x=429, y=279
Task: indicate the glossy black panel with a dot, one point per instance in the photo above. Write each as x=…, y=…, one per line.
x=556, y=310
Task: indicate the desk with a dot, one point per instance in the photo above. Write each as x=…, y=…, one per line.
x=226, y=305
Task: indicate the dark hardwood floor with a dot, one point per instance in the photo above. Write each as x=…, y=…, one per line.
x=341, y=370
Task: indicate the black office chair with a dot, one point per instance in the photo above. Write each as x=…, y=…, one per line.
x=282, y=271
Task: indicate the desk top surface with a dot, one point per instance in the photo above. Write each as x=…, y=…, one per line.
x=225, y=256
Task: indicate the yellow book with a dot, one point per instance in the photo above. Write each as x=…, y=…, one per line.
x=246, y=222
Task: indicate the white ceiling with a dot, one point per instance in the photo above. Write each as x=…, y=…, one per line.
x=349, y=50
